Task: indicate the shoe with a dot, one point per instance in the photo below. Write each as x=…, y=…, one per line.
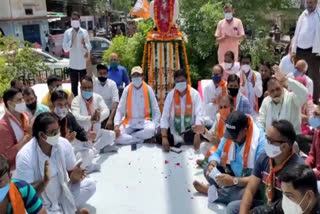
x=93, y=168
x=109, y=148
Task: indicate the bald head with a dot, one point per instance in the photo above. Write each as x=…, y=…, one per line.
x=113, y=57
x=302, y=66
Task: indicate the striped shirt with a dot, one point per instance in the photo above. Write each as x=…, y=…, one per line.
x=32, y=203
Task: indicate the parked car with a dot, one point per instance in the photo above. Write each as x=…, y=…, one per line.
x=51, y=61
x=99, y=45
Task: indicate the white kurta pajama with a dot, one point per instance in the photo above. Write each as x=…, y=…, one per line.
x=59, y=197
x=86, y=150
x=138, y=128
x=167, y=119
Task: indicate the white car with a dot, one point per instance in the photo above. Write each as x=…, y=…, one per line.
x=51, y=61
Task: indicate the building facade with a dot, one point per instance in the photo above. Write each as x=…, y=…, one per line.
x=25, y=19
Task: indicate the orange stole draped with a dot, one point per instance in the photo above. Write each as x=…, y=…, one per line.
x=147, y=103
x=16, y=199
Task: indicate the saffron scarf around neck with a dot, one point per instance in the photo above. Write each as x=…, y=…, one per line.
x=147, y=104
x=250, y=94
x=272, y=177
x=187, y=112
x=247, y=146
x=223, y=86
x=23, y=125
x=16, y=199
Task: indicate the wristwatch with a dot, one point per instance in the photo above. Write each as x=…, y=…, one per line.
x=235, y=181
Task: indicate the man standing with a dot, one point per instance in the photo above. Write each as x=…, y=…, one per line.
x=76, y=41
x=138, y=115
x=33, y=107
x=181, y=112
x=306, y=43
x=229, y=34
x=15, y=127
x=117, y=73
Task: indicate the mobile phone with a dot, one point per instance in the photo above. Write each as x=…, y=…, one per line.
x=214, y=173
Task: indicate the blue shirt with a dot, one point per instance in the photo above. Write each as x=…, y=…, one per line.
x=237, y=164
x=119, y=75
x=40, y=109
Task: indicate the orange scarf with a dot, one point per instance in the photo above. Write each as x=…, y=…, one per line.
x=147, y=103
x=271, y=178
x=24, y=122
x=187, y=112
x=16, y=199
x=224, y=157
x=223, y=86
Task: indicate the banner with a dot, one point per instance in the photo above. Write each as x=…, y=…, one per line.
x=141, y=9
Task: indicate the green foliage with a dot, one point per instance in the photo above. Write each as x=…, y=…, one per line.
x=130, y=50
x=122, y=5
x=17, y=59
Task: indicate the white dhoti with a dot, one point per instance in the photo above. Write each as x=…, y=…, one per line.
x=132, y=135
x=83, y=191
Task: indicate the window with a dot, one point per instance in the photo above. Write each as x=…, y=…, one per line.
x=83, y=25
x=28, y=11
x=90, y=25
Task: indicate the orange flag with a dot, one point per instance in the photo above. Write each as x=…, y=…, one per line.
x=141, y=9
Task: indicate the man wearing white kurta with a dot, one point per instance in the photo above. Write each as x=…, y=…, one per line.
x=251, y=84
x=138, y=114
x=48, y=163
x=182, y=110
x=90, y=110
x=306, y=43
x=282, y=103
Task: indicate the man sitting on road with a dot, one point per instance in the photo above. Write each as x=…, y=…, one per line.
x=33, y=107
x=182, y=111
x=48, y=163
x=90, y=110
x=72, y=131
x=235, y=158
x=279, y=155
x=54, y=83
x=15, y=125
x=107, y=89
x=138, y=114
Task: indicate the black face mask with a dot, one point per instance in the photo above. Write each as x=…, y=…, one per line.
x=233, y=91
x=102, y=79
x=32, y=106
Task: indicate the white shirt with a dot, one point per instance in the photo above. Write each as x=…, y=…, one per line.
x=80, y=112
x=286, y=66
x=308, y=31
x=108, y=91
x=26, y=163
x=289, y=108
x=77, y=51
x=167, y=119
x=138, y=108
x=210, y=93
x=309, y=82
x=18, y=132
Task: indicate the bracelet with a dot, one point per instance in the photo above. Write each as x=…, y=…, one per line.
x=166, y=136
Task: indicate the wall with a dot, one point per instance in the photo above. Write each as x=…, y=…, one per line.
x=15, y=9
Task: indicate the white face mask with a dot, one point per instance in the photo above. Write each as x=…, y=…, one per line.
x=277, y=99
x=272, y=151
x=245, y=68
x=181, y=86
x=20, y=107
x=53, y=140
x=61, y=112
x=290, y=207
x=227, y=66
x=75, y=23
x=228, y=16
x=58, y=88
x=137, y=81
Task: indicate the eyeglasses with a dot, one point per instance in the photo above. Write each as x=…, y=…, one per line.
x=272, y=141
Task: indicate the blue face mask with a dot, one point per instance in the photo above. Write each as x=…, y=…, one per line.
x=297, y=73
x=113, y=64
x=216, y=79
x=87, y=94
x=4, y=191
x=314, y=122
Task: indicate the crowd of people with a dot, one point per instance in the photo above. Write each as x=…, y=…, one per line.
x=258, y=131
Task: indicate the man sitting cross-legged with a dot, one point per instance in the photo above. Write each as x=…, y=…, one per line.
x=48, y=163
x=235, y=158
x=182, y=110
x=138, y=114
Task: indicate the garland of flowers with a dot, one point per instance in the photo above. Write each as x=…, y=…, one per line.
x=170, y=17
x=186, y=61
x=170, y=66
x=177, y=56
x=144, y=56
x=161, y=76
x=151, y=67
x=149, y=63
x=166, y=38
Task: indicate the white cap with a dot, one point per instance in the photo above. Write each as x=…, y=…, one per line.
x=136, y=69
